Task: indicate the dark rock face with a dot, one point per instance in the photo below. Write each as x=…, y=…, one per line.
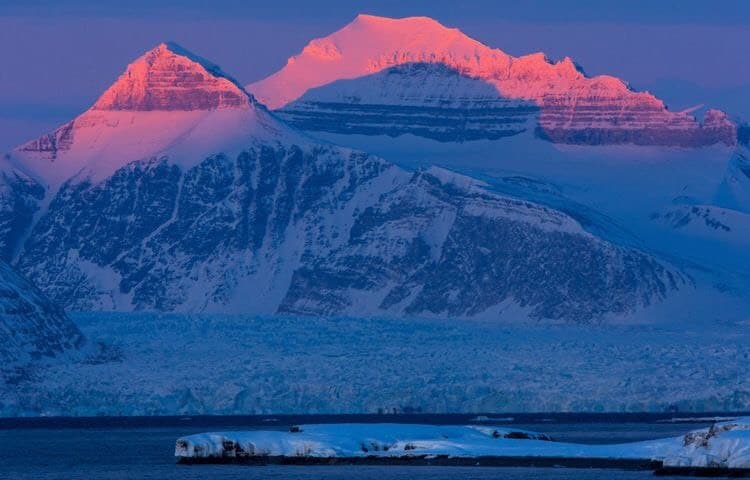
x=645, y=136
x=317, y=230
x=31, y=326
x=683, y=215
x=162, y=231
x=19, y=201
x=743, y=134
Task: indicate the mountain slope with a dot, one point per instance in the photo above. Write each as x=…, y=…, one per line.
x=225, y=208
x=420, y=94
x=440, y=244
x=31, y=326
x=316, y=230
x=574, y=108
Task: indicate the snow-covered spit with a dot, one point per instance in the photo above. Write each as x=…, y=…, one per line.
x=723, y=445
x=354, y=440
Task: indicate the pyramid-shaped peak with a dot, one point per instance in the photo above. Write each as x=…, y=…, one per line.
x=169, y=78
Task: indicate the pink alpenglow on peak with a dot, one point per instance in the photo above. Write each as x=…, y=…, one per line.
x=171, y=78
x=168, y=103
x=370, y=44
x=574, y=108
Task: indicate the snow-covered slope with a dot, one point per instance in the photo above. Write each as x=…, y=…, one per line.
x=177, y=191
x=31, y=326
x=574, y=108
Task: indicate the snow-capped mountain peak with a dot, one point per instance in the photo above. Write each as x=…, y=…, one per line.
x=367, y=45
x=370, y=44
x=573, y=108
x=168, y=102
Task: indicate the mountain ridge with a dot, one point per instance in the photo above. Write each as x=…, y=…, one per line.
x=574, y=108
x=223, y=207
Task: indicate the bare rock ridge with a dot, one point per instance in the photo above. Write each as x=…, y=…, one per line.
x=51, y=143
x=171, y=78
x=573, y=108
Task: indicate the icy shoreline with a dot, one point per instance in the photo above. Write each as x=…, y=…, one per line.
x=724, y=447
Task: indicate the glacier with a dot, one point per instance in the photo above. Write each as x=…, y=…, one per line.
x=190, y=364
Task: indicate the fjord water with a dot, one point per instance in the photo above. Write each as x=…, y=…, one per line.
x=143, y=448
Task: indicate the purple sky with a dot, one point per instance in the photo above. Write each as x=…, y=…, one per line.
x=57, y=57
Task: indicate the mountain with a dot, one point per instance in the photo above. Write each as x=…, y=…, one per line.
x=166, y=100
x=378, y=74
x=31, y=327
x=178, y=191
x=617, y=160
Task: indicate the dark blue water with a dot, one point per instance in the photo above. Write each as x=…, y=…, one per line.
x=143, y=448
